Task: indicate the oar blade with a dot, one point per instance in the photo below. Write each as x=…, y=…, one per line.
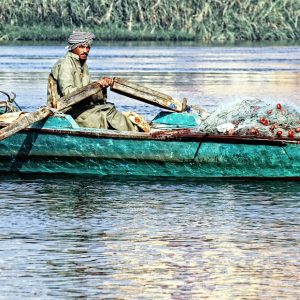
x=23, y=122
x=147, y=95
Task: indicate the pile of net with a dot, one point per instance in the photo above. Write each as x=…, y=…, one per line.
x=254, y=118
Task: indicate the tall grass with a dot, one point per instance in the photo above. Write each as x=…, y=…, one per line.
x=206, y=20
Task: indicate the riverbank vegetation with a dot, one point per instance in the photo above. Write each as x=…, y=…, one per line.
x=204, y=20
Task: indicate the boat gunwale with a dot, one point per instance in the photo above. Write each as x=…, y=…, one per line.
x=182, y=134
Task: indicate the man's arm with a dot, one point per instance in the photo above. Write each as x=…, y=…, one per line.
x=65, y=79
x=104, y=83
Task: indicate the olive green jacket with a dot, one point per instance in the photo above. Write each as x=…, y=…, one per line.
x=69, y=75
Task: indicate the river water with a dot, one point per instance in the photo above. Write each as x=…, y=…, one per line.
x=75, y=237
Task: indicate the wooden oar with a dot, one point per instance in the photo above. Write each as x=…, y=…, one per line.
x=147, y=95
x=44, y=112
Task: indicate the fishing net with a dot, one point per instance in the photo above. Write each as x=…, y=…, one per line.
x=254, y=118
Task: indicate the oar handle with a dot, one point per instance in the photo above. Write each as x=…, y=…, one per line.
x=44, y=112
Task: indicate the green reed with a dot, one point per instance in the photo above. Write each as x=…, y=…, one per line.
x=205, y=20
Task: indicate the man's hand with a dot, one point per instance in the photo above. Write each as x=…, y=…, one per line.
x=105, y=82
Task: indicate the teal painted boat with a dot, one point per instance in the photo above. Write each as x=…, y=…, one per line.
x=174, y=148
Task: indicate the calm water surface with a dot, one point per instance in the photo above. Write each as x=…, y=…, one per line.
x=208, y=76
x=65, y=237
x=70, y=237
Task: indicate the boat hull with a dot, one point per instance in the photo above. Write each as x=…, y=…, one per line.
x=181, y=153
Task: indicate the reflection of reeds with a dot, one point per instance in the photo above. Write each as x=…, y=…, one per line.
x=207, y=20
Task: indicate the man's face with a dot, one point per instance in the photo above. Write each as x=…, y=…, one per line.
x=82, y=51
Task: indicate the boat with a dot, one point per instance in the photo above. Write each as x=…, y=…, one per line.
x=47, y=142
x=173, y=148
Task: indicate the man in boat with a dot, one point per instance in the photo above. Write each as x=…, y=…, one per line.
x=71, y=73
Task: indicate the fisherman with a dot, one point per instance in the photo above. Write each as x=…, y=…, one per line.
x=71, y=73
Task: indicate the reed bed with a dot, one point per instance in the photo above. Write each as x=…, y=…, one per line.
x=205, y=20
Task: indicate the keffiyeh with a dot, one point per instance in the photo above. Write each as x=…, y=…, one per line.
x=78, y=38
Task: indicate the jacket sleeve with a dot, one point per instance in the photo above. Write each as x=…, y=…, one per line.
x=65, y=79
